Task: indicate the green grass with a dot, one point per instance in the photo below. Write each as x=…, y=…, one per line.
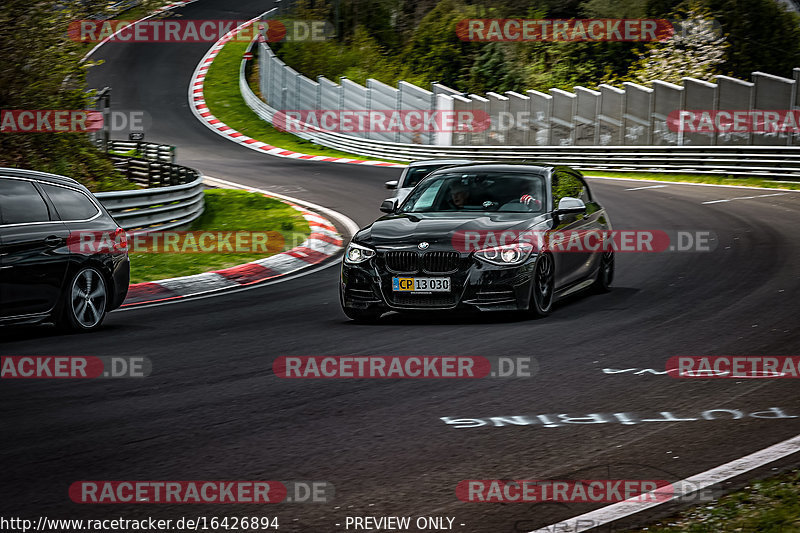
x=769, y=506
x=699, y=178
x=224, y=100
x=226, y=210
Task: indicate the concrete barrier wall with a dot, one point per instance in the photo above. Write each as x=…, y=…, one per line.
x=632, y=115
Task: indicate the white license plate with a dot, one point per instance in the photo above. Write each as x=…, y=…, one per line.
x=421, y=284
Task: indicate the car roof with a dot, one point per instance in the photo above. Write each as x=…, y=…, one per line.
x=438, y=162
x=497, y=167
x=39, y=176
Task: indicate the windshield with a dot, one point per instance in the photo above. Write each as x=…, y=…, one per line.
x=415, y=174
x=513, y=192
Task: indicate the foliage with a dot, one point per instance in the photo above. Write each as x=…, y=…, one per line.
x=43, y=70
x=416, y=41
x=696, y=50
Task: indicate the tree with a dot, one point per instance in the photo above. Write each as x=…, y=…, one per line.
x=494, y=70
x=43, y=70
x=435, y=51
x=764, y=36
x=696, y=50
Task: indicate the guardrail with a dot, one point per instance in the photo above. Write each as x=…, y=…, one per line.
x=173, y=195
x=781, y=163
x=153, y=173
x=158, y=208
x=144, y=150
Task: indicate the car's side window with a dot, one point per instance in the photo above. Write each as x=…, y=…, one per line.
x=70, y=204
x=567, y=184
x=21, y=203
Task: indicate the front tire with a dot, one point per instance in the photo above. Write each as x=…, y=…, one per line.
x=363, y=316
x=85, y=301
x=605, y=274
x=542, y=292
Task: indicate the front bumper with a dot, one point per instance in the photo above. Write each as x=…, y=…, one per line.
x=476, y=285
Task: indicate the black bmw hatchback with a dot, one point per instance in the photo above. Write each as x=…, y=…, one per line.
x=45, y=276
x=470, y=237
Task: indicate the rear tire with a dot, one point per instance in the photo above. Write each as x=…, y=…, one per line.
x=363, y=316
x=605, y=274
x=85, y=302
x=542, y=292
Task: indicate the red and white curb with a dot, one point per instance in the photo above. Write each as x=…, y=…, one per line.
x=198, y=106
x=323, y=243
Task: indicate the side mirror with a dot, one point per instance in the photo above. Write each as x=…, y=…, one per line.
x=568, y=205
x=391, y=184
x=389, y=205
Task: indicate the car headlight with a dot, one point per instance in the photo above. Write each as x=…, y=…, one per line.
x=507, y=255
x=358, y=254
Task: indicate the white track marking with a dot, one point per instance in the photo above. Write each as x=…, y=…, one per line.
x=647, y=187
x=744, y=198
x=679, y=489
x=160, y=10
x=787, y=191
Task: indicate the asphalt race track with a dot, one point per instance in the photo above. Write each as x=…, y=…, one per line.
x=213, y=410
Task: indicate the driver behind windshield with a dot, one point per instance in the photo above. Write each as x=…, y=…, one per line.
x=459, y=196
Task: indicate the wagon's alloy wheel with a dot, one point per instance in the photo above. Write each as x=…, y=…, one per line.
x=87, y=299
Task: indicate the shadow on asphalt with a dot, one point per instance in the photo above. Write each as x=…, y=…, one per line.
x=573, y=306
x=48, y=331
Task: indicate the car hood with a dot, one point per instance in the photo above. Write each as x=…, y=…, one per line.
x=438, y=229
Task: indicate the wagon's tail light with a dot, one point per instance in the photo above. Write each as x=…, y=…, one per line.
x=506, y=255
x=120, y=241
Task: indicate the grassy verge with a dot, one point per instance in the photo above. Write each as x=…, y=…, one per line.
x=224, y=100
x=699, y=178
x=769, y=506
x=226, y=210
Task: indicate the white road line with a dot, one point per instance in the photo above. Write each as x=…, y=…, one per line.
x=744, y=198
x=787, y=191
x=647, y=187
x=698, y=482
x=134, y=23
